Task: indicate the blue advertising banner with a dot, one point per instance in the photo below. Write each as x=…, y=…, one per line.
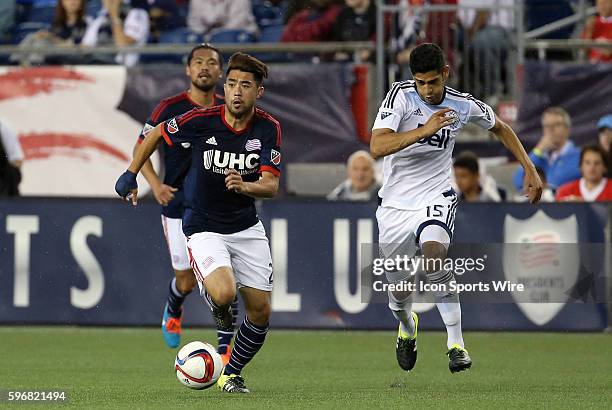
x=96, y=262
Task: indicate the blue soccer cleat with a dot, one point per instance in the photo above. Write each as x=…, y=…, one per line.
x=171, y=328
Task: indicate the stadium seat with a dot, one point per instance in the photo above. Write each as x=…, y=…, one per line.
x=542, y=12
x=93, y=7
x=271, y=34
x=266, y=14
x=180, y=35
x=231, y=36
x=41, y=14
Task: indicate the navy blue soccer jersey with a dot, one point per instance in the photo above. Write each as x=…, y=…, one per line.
x=216, y=147
x=176, y=160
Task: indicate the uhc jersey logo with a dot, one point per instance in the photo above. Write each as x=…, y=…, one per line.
x=437, y=140
x=219, y=161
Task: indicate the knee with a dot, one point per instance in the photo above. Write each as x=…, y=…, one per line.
x=259, y=313
x=185, y=281
x=223, y=294
x=434, y=253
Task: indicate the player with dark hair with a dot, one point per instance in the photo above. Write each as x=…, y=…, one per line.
x=415, y=132
x=204, y=68
x=235, y=158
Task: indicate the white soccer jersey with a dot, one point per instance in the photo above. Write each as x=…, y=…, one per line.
x=417, y=174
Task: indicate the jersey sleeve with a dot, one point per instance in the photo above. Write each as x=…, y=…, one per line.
x=393, y=109
x=480, y=114
x=183, y=128
x=154, y=119
x=271, y=151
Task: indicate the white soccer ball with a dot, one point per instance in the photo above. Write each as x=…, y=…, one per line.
x=198, y=365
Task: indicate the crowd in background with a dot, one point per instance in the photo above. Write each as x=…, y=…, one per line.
x=483, y=27
x=570, y=172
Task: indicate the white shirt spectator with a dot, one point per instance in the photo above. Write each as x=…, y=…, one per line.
x=499, y=17
x=11, y=144
x=135, y=25
x=207, y=15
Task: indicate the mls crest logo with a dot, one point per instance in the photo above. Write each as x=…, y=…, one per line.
x=275, y=157
x=384, y=115
x=539, y=254
x=172, y=127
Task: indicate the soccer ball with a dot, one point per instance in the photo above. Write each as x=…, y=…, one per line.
x=198, y=365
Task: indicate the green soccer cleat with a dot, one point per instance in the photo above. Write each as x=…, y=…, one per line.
x=459, y=359
x=232, y=383
x=406, y=348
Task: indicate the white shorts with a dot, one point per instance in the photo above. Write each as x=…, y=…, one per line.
x=177, y=243
x=401, y=231
x=246, y=252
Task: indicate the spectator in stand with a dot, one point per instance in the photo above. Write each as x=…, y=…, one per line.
x=166, y=15
x=599, y=28
x=11, y=157
x=314, y=23
x=593, y=185
x=205, y=16
x=122, y=26
x=361, y=184
x=604, y=125
x=69, y=26
x=555, y=153
x=486, y=29
x=69, y=23
x=467, y=177
x=7, y=18
x=356, y=22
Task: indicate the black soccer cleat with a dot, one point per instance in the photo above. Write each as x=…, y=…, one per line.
x=406, y=347
x=458, y=359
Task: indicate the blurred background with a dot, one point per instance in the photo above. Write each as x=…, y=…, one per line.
x=75, y=92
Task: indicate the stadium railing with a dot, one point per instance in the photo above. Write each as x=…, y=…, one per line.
x=467, y=73
x=183, y=49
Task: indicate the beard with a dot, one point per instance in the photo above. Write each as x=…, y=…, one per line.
x=203, y=86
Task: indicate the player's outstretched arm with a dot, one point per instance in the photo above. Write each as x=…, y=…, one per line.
x=265, y=187
x=533, y=184
x=385, y=141
x=163, y=193
x=126, y=185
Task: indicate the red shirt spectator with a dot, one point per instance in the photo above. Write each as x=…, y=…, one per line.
x=312, y=24
x=600, y=28
x=592, y=186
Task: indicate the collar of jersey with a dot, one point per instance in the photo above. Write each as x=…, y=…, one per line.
x=435, y=105
x=229, y=127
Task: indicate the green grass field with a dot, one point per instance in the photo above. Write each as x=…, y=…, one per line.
x=132, y=368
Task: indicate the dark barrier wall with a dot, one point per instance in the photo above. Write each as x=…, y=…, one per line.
x=105, y=262
x=582, y=89
x=312, y=102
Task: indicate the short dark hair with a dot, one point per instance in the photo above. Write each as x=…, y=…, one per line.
x=467, y=160
x=205, y=46
x=247, y=63
x=596, y=149
x=426, y=57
